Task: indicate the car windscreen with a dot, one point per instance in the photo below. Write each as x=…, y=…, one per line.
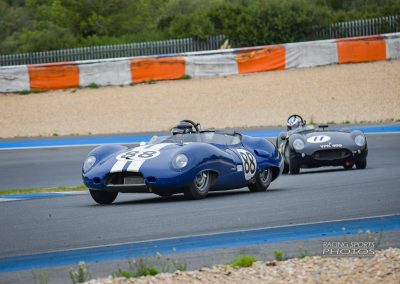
x=205, y=137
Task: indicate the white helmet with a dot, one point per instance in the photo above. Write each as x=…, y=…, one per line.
x=293, y=123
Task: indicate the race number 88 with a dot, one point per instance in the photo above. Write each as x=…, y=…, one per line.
x=143, y=155
x=249, y=163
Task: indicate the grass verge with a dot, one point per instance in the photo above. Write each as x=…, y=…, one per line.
x=39, y=190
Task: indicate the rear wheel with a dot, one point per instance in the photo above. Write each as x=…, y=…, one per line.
x=263, y=180
x=103, y=197
x=362, y=164
x=200, y=186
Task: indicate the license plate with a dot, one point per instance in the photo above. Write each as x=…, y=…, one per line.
x=133, y=180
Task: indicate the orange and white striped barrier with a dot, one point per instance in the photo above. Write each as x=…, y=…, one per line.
x=123, y=71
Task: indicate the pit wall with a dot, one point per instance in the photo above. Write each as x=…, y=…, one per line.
x=124, y=71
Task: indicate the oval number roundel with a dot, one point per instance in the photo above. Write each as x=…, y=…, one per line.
x=318, y=139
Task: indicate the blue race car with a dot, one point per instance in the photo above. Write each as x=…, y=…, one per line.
x=189, y=161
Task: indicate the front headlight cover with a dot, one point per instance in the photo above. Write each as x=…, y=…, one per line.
x=89, y=162
x=298, y=144
x=360, y=140
x=181, y=161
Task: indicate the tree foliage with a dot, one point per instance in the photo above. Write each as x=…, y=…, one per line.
x=39, y=25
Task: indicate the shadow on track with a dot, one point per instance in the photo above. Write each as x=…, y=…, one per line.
x=326, y=170
x=154, y=199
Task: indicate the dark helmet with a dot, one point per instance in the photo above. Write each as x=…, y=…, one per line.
x=182, y=127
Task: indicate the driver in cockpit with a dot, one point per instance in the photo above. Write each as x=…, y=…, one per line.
x=293, y=123
x=182, y=127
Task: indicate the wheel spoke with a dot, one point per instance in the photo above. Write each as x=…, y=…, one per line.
x=201, y=181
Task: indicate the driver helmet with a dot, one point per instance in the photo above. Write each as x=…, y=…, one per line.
x=182, y=127
x=293, y=123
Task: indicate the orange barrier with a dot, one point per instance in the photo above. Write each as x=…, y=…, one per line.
x=362, y=49
x=267, y=59
x=52, y=76
x=165, y=68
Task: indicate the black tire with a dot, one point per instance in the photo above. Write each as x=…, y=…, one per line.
x=200, y=186
x=362, y=164
x=294, y=168
x=103, y=197
x=291, y=166
x=263, y=180
x=285, y=168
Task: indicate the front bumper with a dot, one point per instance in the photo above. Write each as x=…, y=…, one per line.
x=132, y=182
x=321, y=158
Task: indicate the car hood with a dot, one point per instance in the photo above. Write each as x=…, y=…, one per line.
x=327, y=137
x=158, y=157
x=326, y=140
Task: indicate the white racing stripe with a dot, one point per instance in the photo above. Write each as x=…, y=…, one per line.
x=118, y=166
x=136, y=164
x=136, y=157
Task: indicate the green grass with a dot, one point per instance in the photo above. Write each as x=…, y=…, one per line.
x=93, y=86
x=185, y=77
x=38, y=190
x=137, y=268
x=24, y=92
x=244, y=261
x=279, y=255
x=81, y=275
x=302, y=253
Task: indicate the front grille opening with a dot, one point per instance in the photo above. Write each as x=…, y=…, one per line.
x=334, y=154
x=151, y=179
x=124, y=179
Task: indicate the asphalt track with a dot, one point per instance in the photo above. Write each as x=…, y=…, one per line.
x=315, y=195
x=71, y=222
x=58, y=161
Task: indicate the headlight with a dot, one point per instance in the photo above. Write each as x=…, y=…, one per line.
x=360, y=140
x=89, y=162
x=180, y=161
x=298, y=144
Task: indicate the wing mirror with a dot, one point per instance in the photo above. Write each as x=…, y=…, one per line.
x=283, y=136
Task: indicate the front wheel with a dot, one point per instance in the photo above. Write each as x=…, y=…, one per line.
x=361, y=164
x=103, y=197
x=294, y=168
x=200, y=186
x=291, y=166
x=285, y=168
x=263, y=180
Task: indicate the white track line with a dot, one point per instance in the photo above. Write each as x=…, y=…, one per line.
x=137, y=143
x=225, y=232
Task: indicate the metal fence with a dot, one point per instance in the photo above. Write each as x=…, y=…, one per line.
x=115, y=51
x=389, y=24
